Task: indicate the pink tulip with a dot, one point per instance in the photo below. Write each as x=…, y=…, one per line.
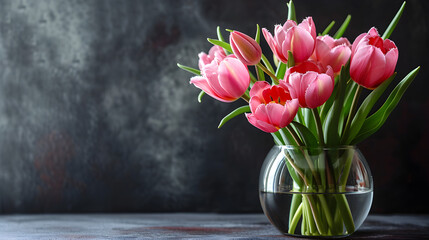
x=300, y=40
x=272, y=107
x=215, y=53
x=332, y=52
x=311, y=87
x=225, y=81
x=245, y=48
x=373, y=59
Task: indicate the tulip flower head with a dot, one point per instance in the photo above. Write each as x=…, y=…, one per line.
x=373, y=59
x=332, y=52
x=215, y=53
x=299, y=39
x=272, y=107
x=245, y=48
x=225, y=81
x=306, y=83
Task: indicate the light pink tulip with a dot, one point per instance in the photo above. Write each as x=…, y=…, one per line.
x=215, y=53
x=245, y=48
x=332, y=52
x=299, y=39
x=308, y=84
x=225, y=81
x=373, y=59
x=272, y=107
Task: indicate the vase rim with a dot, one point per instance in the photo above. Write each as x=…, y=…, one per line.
x=288, y=146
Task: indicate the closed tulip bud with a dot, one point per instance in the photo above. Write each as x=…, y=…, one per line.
x=373, y=59
x=299, y=39
x=309, y=84
x=225, y=81
x=245, y=48
x=332, y=52
x=272, y=107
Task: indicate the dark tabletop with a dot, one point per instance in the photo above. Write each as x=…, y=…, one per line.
x=188, y=226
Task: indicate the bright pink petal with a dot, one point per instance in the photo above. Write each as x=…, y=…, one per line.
x=266, y=127
x=367, y=66
x=254, y=103
x=202, y=83
x=274, y=46
x=258, y=87
x=245, y=48
x=302, y=44
x=290, y=110
x=357, y=41
x=319, y=91
x=212, y=75
x=275, y=113
x=233, y=77
x=261, y=113
x=391, y=60
x=309, y=26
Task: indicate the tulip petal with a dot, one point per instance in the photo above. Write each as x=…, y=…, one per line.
x=254, y=103
x=357, y=41
x=202, y=83
x=302, y=44
x=233, y=77
x=211, y=72
x=258, y=87
x=391, y=60
x=275, y=113
x=319, y=91
x=290, y=110
x=266, y=127
x=367, y=66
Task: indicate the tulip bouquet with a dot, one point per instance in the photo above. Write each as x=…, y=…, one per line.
x=308, y=96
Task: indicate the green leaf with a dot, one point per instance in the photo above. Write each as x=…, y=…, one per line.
x=375, y=121
x=258, y=34
x=306, y=135
x=332, y=137
x=267, y=63
x=189, y=69
x=394, y=22
x=364, y=110
x=200, y=96
x=219, y=34
x=220, y=37
x=233, y=114
x=281, y=70
x=309, y=120
x=277, y=138
x=343, y=27
x=328, y=104
x=350, y=91
x=290, y=59
x=328, y=28
x=291, y=11
x=222, y=44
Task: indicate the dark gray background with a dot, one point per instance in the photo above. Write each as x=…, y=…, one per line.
x=96, y=117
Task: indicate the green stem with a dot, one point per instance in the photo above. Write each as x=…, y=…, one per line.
x=294, y=135
x=272, y=75
x=267, y=63
x=352, y=112
x=295, y=219
x=318, y=125
x=346, y=214
x=326, y=210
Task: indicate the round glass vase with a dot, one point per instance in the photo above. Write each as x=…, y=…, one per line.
x=316, y=192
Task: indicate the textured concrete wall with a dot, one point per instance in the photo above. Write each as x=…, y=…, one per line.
x=95, y=115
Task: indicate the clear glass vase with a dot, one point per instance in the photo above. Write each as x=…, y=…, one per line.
x=316, y=191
